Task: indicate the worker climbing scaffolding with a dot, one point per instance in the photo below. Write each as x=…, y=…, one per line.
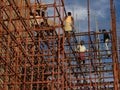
x=46, y=60
x=69, y=24
x=106, y=39
x=81, y=49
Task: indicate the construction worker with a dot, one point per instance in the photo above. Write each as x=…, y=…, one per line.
x=69, y=23
x=106, y=38
x=81, y=49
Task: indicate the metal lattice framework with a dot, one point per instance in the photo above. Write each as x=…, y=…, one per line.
x=119, y=56
x=41, y=56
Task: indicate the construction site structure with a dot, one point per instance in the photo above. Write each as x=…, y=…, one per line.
x=119, y=57
x=37, y=54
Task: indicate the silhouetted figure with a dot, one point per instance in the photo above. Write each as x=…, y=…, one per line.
x=106, y=39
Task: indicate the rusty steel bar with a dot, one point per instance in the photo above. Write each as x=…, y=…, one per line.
x=114, y=44
x=36, y=57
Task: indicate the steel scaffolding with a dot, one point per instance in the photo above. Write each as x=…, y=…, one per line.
x=118, y=45
x=37, y=54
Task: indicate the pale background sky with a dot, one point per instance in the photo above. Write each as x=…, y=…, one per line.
x=98, y=8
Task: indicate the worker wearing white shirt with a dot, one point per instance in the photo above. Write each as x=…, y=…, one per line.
x=81, y=49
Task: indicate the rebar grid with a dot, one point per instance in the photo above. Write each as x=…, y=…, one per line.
x=41, y=57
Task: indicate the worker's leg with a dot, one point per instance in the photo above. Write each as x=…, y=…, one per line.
x=82, y=55
x=83, y=61
x=106, y=46
x=67, y=35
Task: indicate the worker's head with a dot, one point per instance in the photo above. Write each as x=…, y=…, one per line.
x=104, y=30
x=69, y=13
x=81, y=42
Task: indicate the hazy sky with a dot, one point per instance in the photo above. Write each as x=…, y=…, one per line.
x=99, y=9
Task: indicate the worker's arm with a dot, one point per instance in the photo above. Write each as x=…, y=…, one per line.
x=72, y=21
x=64, y=19
x=77, y=49
x=85, y=49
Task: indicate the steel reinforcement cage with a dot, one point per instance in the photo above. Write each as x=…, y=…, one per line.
x=37, y=54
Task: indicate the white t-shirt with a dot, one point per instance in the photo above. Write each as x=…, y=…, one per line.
x=81, y=48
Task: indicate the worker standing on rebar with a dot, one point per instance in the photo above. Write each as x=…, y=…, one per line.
x=69, y=23
x=106, y=38
x=81, y=49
